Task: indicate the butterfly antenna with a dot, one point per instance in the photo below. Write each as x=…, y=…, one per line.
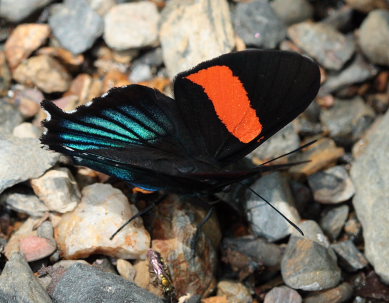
x=291, y=152
x=272, y=206
x=195, y=239
x=138, y=214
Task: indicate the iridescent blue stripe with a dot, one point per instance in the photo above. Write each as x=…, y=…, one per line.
x=143, y=132
x=83, y=139
x=90, y=130
x=132, y=111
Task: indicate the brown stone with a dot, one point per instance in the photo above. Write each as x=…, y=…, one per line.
x=115, y=78
x=320, y=155
x=23, y=41
x=64, y=56
x=216, y=299
x=44, y=72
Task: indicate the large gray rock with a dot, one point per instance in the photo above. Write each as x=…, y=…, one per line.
x=194, y=31
x=18, y=283
x=22, y=159
x=374, y=36
x=85, y=283
x=76, y=25
x=10, y=117
x=370, y=173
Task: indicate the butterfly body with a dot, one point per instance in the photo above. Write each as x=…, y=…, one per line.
x=223, y=109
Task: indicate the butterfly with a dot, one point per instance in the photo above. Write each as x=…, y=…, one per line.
x=222, y=110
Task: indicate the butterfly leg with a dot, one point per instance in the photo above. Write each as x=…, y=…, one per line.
x=140, y=213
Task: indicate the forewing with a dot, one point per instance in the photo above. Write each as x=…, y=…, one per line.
x=233, y=103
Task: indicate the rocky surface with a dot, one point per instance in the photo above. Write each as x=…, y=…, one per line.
x=52, y=211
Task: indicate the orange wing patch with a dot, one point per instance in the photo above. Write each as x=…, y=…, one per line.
x=230, y=100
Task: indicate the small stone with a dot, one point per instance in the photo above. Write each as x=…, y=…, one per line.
x=126, y=269
x=320, y=155
x=350, y=256
x=25, y=39
x=87, y=230
x=333, y=221
x=282, y=294
x=173, y=227
x=80, y=87
x=27, y=204
x=18, y=283
x=141, y=72
x=27, y=130
x=371, y=200
x=235, y=292
x=84, y=283
x=27, y=229
x=44, y=72
x=28, y=100
x=257, y=24
x=367, y=5
x=358, y=71
x=76, y=25
x=13, y=151
x=258, y=249
x=374, y=37
x=313, y=232
x=331, y=186
x=264, y=220
x=35, y=248
x=347, y=120
x=66, y=57
x=309, y=266
x=339, y=294
x=186, y=26
x=10, y=117
x=16, y=11
x=353, y=227
x=283, y=141
x=131, y=25
x=328, y=46
x=292, y=11
x=58, y=190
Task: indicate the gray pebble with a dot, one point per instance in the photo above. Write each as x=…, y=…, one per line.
x=292, y=11
x=283, y=294
x=321, y=41
x=257, y=24
x=264, y=220
x=347, y=120
x=76, y=25
x=374, y=36
x=309, y=266
x=331, y=186
x=333, y=221
x=350, y=256
x=27, y=204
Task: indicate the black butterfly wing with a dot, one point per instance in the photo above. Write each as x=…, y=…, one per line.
x=233, y=103
x=131, y=132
